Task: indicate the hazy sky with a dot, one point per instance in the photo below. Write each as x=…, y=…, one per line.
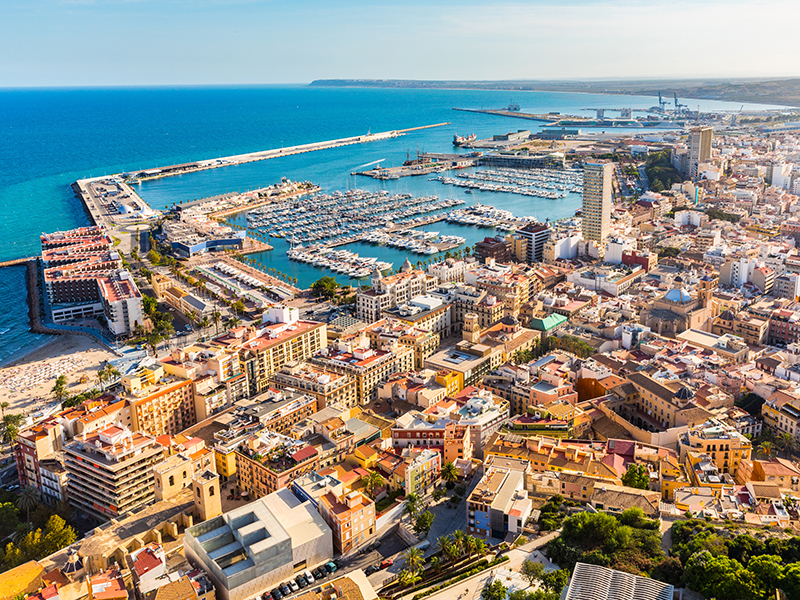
x=119, y=42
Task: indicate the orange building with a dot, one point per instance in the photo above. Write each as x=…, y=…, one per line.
x=351, y=518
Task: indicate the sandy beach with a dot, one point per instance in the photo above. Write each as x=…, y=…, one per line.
x=27, y=382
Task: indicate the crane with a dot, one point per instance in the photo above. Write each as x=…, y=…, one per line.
x=661, y=102
x=678, y=105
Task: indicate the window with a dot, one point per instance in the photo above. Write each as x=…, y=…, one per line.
x=184, y=474
x=211, y=491
x=171, y=480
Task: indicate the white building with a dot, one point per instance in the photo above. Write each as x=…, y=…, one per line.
x=253, y=548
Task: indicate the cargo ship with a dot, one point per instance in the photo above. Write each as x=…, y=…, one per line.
x=460, y=141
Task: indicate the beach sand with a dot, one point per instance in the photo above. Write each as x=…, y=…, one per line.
x=27, y=382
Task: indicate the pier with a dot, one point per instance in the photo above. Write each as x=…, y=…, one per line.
x=546, y=118
x=17, y=261
x=238, y=159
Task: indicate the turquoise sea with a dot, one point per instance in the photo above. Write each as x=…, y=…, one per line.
x=51, y=137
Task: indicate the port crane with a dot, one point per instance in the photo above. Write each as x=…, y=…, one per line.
x=678, y=105
x=661, y=102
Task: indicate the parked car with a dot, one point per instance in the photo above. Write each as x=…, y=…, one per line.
x=319, y=573
x=371, y=569
x=330, y=567
x=266, y=596
x=285, y=589
x=301, y=581
x=337, y=563
x=309, y=577
x=386, y=563
x=276, y=594
x=293, y=585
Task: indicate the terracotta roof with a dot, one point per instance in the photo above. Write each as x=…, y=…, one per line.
x=175, y=590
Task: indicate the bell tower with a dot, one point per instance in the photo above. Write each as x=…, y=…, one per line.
x=472, y=329
x=207, y=495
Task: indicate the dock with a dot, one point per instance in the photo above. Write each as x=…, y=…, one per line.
x=238, y=159
x=545, y=118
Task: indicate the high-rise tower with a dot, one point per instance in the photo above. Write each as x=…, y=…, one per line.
x=597, y=179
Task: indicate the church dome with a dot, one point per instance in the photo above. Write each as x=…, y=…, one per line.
x=727, y=315
x=406, y=266
x=678, y=295
x=510, y=320
x=684, y=393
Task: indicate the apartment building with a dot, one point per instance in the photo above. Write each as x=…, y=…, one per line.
x=719, y=440
x=597, y=201
x=278, y=410
x=392, y=291
x=219, y=380
x=267, y=462
x=369, y=367
x=537, y=235
x=160, y=403
x=327, y=387
x=280, y=339
x=499, y=503
x=110, y=472
x=38, y=449
x=84, y=277
x=396, y=332
x=351, y=518
x=781, y=413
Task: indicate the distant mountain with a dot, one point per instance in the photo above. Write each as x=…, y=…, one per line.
x=764, y=91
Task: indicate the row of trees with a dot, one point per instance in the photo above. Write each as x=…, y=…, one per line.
x=451, y=549
x=660, y=171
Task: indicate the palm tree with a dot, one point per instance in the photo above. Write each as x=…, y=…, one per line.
x=436, y=564
x=3, y=407
x=449, y=472
x=204, y=322
x=469, y=546
x=442, y=545
x=765, y=449
x=373, y=482
x=787, y=442
x=480, y=546
x=28, y=499
x=413, y=559
x=458, y=540
x=216, y=316
x=60, y=388
x=9, y=433
x=413, y=505
x=408, y=578
x=452, y=553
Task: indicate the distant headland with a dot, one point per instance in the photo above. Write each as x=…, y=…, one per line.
x=783, y=91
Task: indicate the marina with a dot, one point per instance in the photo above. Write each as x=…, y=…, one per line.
x=550, y=184
x=340, y=217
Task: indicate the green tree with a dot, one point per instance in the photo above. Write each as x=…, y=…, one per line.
x=787, y=443
x=718, y=577
x=150, y=305
x=413, y=559
x=436, y=564
x=423, y=523
x=449, y=472
x=373, y=482
x=791, y=581
x=9, y=518
x=325, y=287
x=494, y=591
x=28, y=498
x=458, y=538
x=470, y=545
x=408, y=578
x=765, y=449
x=554, y=581
x=532, y=571
x=637, y=476
x=60, y=388
x=58, y=535
x=413, y=505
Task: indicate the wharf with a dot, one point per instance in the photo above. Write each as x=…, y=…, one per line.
x=258, y=202
x=425, y=164
x=546, y=118
x=182, y=169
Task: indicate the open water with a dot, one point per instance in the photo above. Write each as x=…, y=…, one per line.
x=52, y=137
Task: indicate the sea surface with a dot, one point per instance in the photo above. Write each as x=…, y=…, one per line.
x=52, y=137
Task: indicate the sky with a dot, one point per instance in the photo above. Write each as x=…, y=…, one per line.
x=207, y=42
